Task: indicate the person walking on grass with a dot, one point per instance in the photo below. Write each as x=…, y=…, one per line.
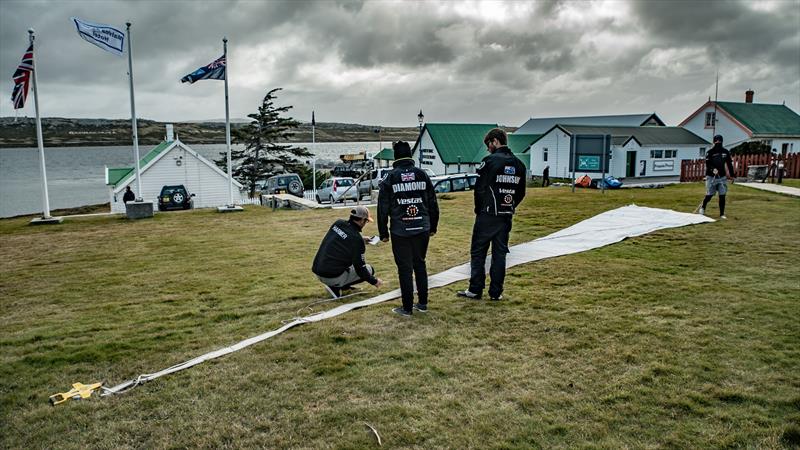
x=340, y=261
x=499, y=190
x=407, y=206
x=717, y=160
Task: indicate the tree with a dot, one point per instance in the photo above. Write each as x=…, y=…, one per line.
x=265, y=151
x=751, y=148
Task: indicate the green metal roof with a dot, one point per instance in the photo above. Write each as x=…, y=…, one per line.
x=385, y=154
x=762, y=118
x=459, y=139
x=520, y=143
x=643, y=135
x=117, y=175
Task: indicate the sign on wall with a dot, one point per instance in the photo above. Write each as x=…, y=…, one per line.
x=586, y=153
x=663, y=166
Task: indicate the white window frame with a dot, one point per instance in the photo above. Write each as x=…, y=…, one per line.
x=710, y=118
x=544, y=154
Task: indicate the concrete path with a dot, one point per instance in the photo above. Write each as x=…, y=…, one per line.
x=777, y=188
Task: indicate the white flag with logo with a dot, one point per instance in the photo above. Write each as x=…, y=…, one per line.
x=106, y=37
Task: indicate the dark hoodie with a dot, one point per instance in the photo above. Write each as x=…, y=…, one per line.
x=407, y=200
x=718, y=158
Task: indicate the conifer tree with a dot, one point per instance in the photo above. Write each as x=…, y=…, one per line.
x=265, y=152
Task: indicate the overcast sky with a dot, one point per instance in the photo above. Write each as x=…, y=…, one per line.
x=379, y=62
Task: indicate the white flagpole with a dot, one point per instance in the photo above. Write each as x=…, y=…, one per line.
x=227, y=123
x=39, y=139
x=314, y=146
x=133, y=118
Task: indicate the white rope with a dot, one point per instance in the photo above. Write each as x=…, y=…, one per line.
x=598, y=231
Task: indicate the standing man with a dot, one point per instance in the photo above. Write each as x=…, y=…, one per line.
x=717, y=159
x=407, y=201
x=129, y=196
x=340, y=261
x=546, y=176
x=498, y=192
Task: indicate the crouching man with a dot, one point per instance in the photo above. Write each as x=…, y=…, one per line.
x=340, y=261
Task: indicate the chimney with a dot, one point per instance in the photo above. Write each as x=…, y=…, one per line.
x=170, y=135
x=748, y=96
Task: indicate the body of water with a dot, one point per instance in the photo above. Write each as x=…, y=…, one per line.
x=76, y=175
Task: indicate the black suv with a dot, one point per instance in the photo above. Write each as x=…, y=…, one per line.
x=174, y=197
x=288, y=182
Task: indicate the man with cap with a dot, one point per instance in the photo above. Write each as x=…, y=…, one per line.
x=340, y=261
x=407, y=205
x=499, y=190
x=717, y=160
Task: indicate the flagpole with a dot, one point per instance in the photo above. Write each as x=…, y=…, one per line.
x=314, y=146
x=227, y=122
x=39, y=139
x=133, y=119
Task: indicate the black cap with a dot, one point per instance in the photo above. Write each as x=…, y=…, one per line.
x=401, y=150
x=718, y=138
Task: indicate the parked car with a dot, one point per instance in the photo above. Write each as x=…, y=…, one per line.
x=287, y=182
x=333, y=190
x=454, y=183
x=371, y=181
x=174, y=197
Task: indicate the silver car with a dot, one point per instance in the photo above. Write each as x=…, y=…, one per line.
x=337, y=189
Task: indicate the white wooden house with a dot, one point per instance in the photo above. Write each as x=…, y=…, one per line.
x=646, y=151
x=774, y=125
x=172, y=163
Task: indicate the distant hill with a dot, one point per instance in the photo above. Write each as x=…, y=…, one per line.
x=63, y=132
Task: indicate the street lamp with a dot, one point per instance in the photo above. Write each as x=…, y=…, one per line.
x=421, y=118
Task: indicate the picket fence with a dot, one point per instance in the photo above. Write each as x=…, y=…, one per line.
x=695, y=170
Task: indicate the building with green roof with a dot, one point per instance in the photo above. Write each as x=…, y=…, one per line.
x=172, y=163
x=774, y=125
x=449, y=148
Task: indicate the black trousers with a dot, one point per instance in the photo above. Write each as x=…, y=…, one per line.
x=409, y=255
x=487, y=230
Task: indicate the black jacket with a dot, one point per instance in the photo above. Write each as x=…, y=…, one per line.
x=407, y=197
x=717, y=158
x=501, y=184
x=128, y=197
x=341, y=248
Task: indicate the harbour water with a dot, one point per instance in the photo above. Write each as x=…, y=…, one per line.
x=76, y=175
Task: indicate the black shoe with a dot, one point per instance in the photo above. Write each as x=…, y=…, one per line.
x=399, y=310
x=421, y=308
x=496, y=299
x=334, y=291
x=468, y=295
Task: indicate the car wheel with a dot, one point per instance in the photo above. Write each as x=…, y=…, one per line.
x=295, y=188
x=331, y=200
x=178, y=198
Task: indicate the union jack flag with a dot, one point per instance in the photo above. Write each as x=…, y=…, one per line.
x=22, y=78
x=409, y=176
x=213, y=71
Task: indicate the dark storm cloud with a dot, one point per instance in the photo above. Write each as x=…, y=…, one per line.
x=350, y=59
x=730, y=29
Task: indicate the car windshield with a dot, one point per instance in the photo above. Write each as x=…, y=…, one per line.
x=170, y=190
x=344, y=182
x=442, y=186
x=459, y=184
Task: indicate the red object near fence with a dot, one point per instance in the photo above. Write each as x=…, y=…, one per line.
x=695, y=170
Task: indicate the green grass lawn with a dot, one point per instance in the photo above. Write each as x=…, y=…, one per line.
x=683, y=338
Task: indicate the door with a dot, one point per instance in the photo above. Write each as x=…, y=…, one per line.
x=630, y=165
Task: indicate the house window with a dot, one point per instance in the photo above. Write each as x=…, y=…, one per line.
x=544, y=154
x=663, y=154
x=710, y=118
x=702, y=152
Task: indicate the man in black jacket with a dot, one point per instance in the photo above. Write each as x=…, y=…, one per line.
x=717, y=159
x=498, y=192
x=407, y=200
x=340, y=261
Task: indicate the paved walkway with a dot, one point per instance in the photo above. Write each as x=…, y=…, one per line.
x=777, y=188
